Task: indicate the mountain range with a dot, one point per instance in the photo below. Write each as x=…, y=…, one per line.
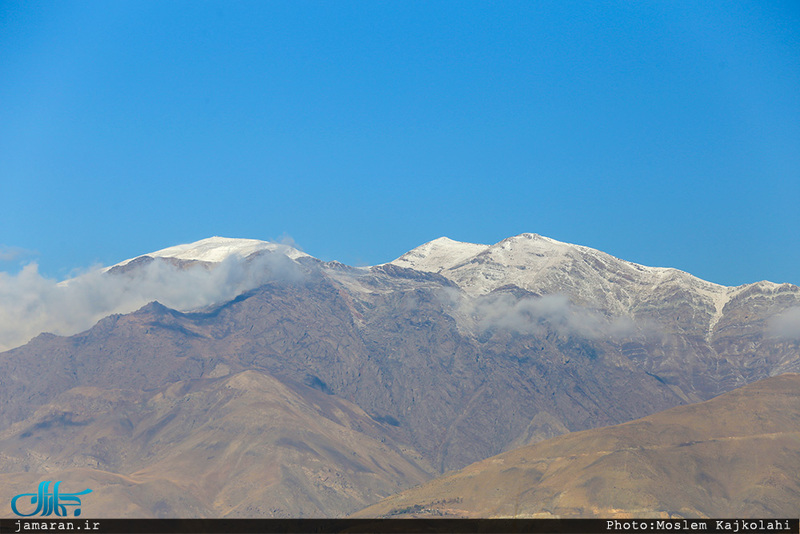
x=263, y=382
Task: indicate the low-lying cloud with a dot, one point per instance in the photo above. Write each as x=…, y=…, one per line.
x=537, y=315
x=786, y=325
x=31, y=303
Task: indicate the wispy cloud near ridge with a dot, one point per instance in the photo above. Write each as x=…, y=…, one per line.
x=31, y=303
x=787, y=324
x=535, y=315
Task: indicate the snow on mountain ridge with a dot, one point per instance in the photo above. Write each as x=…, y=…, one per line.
x=216, y=249
x=546, y=266
x=531, y=261
x=588, y=277
x=439, y=254
x=523, y=250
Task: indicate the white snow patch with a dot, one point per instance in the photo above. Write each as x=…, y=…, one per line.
x=438, y=255
x=217, y=249
x=719, y=296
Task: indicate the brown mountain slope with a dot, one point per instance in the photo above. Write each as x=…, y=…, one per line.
x=244, y=445
x=398, y=355
x=455, y=376
x=737, y=455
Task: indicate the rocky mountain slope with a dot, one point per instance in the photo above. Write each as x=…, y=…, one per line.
x=674, y=317
x=732, y=456
x=230, y=445
x=452, y=353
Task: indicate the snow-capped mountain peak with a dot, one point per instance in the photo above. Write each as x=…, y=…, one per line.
x=547, y=266
x=216, y=249
x=438, y=255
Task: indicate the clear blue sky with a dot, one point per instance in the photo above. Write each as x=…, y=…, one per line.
x=665, y=133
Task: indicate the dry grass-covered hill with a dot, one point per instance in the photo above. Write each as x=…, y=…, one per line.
x=737, y=455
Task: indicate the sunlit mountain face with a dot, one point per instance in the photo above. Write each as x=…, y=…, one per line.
x=732, y=456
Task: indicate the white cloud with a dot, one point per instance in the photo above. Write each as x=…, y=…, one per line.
x=787, y=324
x=535, y=315
x=31, y=304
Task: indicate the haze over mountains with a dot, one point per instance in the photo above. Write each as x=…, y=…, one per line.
x=266, y=382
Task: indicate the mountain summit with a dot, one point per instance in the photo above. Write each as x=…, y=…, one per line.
x=587, y=276
x=217, y=249
x=438, y=255
x=328, y=387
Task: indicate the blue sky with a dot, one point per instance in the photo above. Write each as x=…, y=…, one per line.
x=663, y=133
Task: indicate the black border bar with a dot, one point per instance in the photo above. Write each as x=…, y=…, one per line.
x=398, y=526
